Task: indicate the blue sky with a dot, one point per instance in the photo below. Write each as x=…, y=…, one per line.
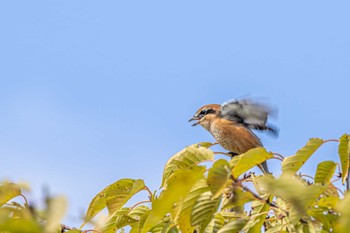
x=95, y=91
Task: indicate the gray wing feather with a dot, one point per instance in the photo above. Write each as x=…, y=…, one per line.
x=247, y=112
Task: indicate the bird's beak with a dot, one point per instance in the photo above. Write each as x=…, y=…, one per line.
x=193, y=119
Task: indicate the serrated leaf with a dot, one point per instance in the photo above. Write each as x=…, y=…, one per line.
x=203, y=210
x=329, y=202
x=236, y=198
x=293, y=163
x=126, y=217
x=139, y=211
x=294, y=191
x=141, y=216
x=218, y=177
x=183, y=217
x=187, y=158
x=119, y=219
x=322, y=215
x=179, y=185
x=165, y=226
x=344, y=153
x=216, y=223
x=258, y=183
x=255, y=223
x=325, y=171
x=234, y=226
x=249, y=160
x=8, y=191
x=277, y=228
x=113, y=197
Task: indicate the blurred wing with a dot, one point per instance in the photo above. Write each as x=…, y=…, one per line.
x=252, y=114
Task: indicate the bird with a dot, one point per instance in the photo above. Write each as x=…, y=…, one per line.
x=232, y=122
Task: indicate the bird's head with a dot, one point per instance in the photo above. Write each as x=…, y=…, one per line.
x=205, y=115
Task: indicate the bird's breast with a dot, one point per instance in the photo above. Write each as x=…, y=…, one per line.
x=234, y=137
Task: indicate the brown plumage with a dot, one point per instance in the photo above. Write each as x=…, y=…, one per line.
x=231, y=124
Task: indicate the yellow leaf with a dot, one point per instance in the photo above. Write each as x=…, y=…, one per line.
x=113, y=197
x=249, y=160
x=218, y=177
x=179, y=185
x=293, y=163
x=8, y=191
x=325, y=171
x=187, y=158
x=344, y=153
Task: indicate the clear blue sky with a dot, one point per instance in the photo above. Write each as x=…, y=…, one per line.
x=95, y=91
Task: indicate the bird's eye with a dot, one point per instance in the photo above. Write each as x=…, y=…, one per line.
x=203, y=112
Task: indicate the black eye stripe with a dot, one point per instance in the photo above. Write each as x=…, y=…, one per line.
x=206, y=112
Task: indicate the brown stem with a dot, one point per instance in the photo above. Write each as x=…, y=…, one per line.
x=149, y=192
x=25, y=200
x=307, y=176
x=138, y=203
x=279, y=155
x=257, y=196
x=221, y=153
x=331, y=140
x=278, y=158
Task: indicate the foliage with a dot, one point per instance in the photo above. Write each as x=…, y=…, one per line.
x=223, y=197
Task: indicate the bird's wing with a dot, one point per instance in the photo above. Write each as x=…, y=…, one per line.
x=247, y=112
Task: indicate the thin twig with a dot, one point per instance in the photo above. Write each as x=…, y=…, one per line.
x=307, y=176
x=279, y=155
x=138, y=203
x=278, y=158
x=222, y=153
x=257, y=196
x=330, y=140
x=149, y=192
x=25, y=200
x=335, y=180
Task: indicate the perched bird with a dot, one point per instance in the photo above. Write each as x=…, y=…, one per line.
x=232, y=122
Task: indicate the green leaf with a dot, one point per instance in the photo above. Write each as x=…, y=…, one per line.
x=20, y=225
x=216, y=223
x=187, y=158
x=329, y=202
x=204, y=210
x=236, y=198
x=294, y=191
x=140, y=213
x=293, y=163
x=183, y=217
x=234, y=226
x=179, y=185
x=8, y=191
x=218, y=177
x=343, y=225
x=325, y=171
x=249, y=160
x=165, y=226
x=255, y=223
x=113, y=197
x=344, y=153
x=325, y=217
x=119, y=219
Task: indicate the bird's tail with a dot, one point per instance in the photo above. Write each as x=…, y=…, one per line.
x=264, y=168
